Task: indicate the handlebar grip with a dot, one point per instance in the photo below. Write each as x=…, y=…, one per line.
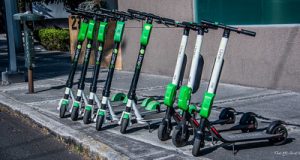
x=247, y=32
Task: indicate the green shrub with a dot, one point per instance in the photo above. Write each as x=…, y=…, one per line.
x=55, y=39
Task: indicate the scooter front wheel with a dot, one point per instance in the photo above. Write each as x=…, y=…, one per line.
x=164, y=131
x=87, y=117
x=62, y=110
x=124, y=125
x=198, y=143
x=74, y=113
x=99, y=122
x=177, y=139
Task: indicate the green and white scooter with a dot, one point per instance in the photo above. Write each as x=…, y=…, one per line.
x=102, y=116
x=126, y=117
x=76, y=107
x=65, y=101
x=131, y=103
x=181, y=133
x=165, y=127
x=90, y=108
x=210, y=94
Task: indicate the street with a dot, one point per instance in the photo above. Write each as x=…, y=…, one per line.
x=21, y=140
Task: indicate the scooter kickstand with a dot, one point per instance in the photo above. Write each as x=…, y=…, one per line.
x=233, y=149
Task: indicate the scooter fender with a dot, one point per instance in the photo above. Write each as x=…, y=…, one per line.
x=76, y=104
x=273, y=125
x=63, y=102
x=146, y=101
x=125, y=115
x=192, y=109
x=101, y=112
x=118, y=97
x=152, y=106
x=88, y=107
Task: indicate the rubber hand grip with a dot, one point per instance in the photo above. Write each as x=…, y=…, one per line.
x=247, y=32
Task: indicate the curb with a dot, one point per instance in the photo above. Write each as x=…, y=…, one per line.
x=96, y=149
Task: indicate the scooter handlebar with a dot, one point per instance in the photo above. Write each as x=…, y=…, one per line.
x=87, y=13
x=133, y=11
x=143, y=14
x=238, y=30
x=91, y=14
x=158, y=19
x=115, y=12
x=247, y=32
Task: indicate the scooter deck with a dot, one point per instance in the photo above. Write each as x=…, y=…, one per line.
x=250, y=136
x=229, y=127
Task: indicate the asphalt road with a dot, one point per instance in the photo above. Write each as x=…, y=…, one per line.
x=20, y=140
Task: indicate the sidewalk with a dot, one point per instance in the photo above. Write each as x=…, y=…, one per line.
x=51, y=74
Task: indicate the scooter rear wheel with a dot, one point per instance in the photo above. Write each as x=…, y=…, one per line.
x=177, y=136
x=74, y=113
x=87, y=117
x=124, y=125
x=99, y=122
x=62, y=110
x=227, y=114
x=248, y=119
x=163, y=131
x=280, y=129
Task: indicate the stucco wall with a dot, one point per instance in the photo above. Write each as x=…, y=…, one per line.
x=270, y=60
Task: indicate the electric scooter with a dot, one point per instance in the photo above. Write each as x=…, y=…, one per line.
x=165, y=127
x=276, y=133
x=126, y=117
x=227, y=117
x=181, y=133
x=89, y=111
x=101, y=116
x=76, y=107
x=64, y=102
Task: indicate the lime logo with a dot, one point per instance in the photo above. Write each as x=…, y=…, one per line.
x=147, y=27
x=142, y=51
x=98, y=63
x=100, y=48
x=89, y=46
x=115, y=51
x=79, y=47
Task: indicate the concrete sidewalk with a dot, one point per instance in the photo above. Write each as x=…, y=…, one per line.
x=51, y=74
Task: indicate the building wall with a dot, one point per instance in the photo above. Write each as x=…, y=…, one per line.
x=270, y=60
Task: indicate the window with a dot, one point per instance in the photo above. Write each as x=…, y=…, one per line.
x=248, y=11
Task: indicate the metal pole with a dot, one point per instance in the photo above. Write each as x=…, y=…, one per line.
x=30, y=80
x=13, y=33
x=29, y=52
